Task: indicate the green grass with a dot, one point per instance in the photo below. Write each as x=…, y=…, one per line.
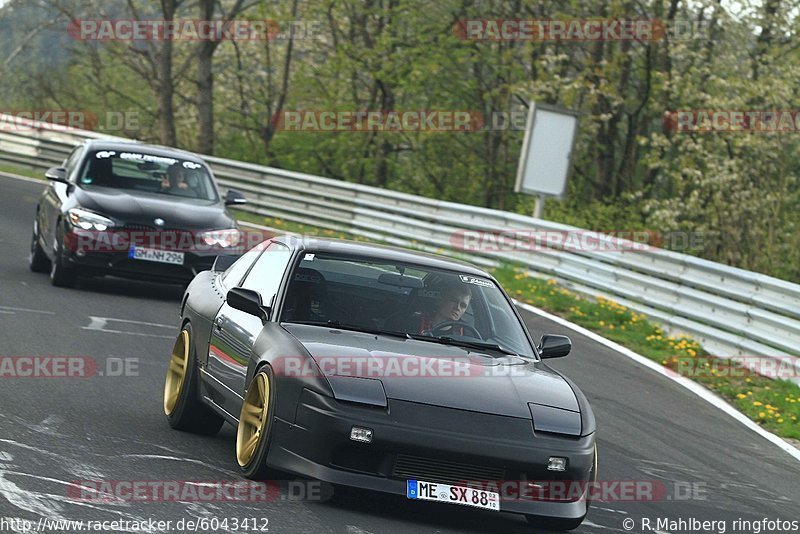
x=774, y=404
x=22, y=171
x=292, y=227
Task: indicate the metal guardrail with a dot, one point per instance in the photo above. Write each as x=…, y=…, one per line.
x=730, y=311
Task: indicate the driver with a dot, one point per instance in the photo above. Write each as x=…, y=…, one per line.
x=175, y=180
x=453, y=301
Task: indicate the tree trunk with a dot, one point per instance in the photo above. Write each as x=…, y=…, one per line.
x=164, y=84
x=205, y=86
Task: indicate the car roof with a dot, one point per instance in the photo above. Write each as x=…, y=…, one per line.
x=359, y=249
x=133, y=146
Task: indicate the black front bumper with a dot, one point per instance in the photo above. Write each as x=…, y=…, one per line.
x=110, y=253
x=428, y=443
x=120, y=264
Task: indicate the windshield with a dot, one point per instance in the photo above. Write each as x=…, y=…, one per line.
x=140, y=171
x=377, y=296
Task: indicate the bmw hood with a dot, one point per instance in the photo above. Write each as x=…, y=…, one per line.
x=435, y=374
x=142, y=209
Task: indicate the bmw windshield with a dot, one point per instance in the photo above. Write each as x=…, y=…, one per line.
x=165, y=176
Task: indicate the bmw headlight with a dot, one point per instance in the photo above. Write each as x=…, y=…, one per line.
x=88, y=220
x=221, y=238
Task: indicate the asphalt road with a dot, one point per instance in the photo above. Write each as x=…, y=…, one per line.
x=54, y=431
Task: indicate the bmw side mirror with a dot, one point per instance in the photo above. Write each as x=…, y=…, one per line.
x=552, y=346
x=234, y=197
x=248, y=301
x=57, y=174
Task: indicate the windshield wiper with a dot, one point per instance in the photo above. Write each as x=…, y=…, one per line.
x=353, y=328
x=447, y=340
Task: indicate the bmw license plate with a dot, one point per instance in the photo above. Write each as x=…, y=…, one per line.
x=433, y=491
x=152, y=254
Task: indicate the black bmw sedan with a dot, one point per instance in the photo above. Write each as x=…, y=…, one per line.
x=132, y=210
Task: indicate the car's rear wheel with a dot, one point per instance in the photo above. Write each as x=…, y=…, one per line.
x=255, y=425
x=37, y=260
x=60, y=274
x=183, y=409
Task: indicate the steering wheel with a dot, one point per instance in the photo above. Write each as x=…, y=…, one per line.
x=447, y=327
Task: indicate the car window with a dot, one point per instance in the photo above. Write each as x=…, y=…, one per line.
x=233, y=275
x=167, y=176
x=265, y=276
x=71, y=162
x=372, y=294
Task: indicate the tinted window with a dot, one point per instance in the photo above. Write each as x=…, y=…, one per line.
x=72, y=160
x=374, y=294
x=266, y=274
x=234, y=274
x=148, y=173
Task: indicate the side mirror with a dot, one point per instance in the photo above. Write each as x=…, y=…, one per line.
x=221, y=263
x=57, y=174
x=248, y=301
x=552, y=346
x=234, y=197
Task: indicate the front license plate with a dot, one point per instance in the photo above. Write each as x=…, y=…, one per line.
x=433, y=491
x=160, y=256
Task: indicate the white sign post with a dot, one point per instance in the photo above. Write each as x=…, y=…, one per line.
x=546, y=157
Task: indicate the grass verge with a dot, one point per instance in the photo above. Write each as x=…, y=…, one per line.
x=774, y=404
x=22, y=171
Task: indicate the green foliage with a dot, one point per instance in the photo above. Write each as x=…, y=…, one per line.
x=737, y=194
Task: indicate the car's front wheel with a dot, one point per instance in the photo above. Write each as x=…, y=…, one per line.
x=37, y=260
x=255, y=425
x=60, y=274
x=183, y=409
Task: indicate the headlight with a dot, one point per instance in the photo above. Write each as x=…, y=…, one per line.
x=87, y=220
x=221, y=238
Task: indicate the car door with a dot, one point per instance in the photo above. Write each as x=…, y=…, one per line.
x=53, y=198
x=234, y=332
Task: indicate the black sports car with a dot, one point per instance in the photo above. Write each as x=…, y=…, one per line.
x=131, y=210
x=383, y=369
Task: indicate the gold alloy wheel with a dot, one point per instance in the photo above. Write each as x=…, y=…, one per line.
x=176, y=372
x=253, y=419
